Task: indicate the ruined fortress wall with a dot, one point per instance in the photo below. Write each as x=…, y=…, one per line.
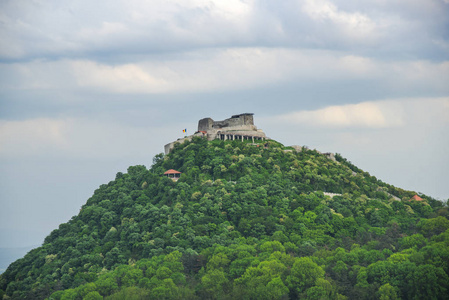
x=170, y=146
x=235, y=121
x=242, y=121
x=205, y=124
x=248, y=119
x=237, y=127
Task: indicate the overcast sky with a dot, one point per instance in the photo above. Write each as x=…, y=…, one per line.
x=88, y=88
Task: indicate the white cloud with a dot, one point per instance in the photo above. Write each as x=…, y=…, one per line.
x=377, y=115
x=75, y=138
x=31, y=136
x=104, y=31
x=124, y=78
x=224, y=69
x=353, y=25
x=367, y=114
x=359, y=65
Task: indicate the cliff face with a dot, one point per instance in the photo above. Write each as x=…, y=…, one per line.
x=244, y=221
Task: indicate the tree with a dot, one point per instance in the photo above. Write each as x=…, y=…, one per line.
x=107, y=284
x=276, y=289
x=217, y=261
x=387, y=292
x=256, y=279
x=304, y=274
x=434, y=226
x=165, y=290
x=145, y=230
x=214, y=283
x=429, y=282
x=93, y=296
x=131, y=293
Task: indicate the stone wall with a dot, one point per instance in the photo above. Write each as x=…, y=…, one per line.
x=332, y=195
x=242, y=121
x=170, y=146
x=205, y=124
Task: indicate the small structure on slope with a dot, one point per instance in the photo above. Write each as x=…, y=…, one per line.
x=416, y=198
x=173, y=174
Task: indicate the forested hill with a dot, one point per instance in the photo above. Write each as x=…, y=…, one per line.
x=244, y=221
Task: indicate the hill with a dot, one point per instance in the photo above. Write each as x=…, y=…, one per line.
x=7, y=255
x=244, y=221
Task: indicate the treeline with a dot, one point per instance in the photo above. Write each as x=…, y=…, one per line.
x=244, y=221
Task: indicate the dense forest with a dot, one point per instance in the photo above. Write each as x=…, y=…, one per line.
x=244, y=221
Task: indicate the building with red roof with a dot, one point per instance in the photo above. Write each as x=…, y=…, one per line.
x=173, y=174
x=416, y=198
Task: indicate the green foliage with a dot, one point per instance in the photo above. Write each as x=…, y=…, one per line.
x=214, y=284
x=434, y=226
x=304, y=274
x=130, y=293
x=276, y=289
x=242, y=222
x=93, y=296
x=387, y=292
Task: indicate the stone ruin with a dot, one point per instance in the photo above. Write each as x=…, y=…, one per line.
x=238, y=127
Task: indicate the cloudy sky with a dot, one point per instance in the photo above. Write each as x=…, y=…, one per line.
x=88, y=88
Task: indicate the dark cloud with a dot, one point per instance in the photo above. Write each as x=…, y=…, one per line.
x=57, y=29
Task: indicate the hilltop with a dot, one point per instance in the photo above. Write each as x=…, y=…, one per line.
x=246, y=220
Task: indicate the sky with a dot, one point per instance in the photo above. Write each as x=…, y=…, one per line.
x=88, y=88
